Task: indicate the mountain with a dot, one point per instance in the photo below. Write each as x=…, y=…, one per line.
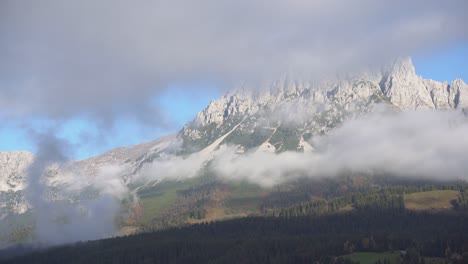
x=278, y=116
x=12, y=180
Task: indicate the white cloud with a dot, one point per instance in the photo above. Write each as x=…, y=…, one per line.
x=428, y=145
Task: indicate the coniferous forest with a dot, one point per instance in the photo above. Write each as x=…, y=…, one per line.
x=308, y=232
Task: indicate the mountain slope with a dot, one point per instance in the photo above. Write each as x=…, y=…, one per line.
x=280, y=116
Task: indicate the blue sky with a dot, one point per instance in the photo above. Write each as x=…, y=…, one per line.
x=444, y=64
x=178, y=105
x=181, y=106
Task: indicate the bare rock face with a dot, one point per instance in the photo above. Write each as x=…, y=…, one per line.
x=304, y=107
x=398, y=83
x=219, y=110
x=13, y=167
x=439, y=93
x=408, y=91
x=404, y=88
x=458, y=94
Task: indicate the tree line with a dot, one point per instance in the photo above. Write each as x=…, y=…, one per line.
x=302, y=239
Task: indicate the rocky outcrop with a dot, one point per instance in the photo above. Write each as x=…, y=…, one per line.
x=458, y=94
x=398, y=83
x=439, y=93
x=404, y=88
x=13, y=165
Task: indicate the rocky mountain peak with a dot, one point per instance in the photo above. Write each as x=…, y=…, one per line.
x=318, y=106
x=402, y=66
x=12, y=169
x=405, y=89
x=458, y=93
x=398, y=82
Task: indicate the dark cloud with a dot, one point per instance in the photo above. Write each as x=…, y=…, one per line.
x=108, y=58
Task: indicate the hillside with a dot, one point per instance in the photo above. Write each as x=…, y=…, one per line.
x=280, y=240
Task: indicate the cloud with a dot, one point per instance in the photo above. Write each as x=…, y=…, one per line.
x=59, y=222
x=170, y=167
x=72, y=204
x=108, y=58
x=426, y=144
x=58, y=218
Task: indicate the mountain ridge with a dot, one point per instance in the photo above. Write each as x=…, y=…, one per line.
x=330, y=102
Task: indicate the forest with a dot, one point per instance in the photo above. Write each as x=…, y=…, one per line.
x=328, y=230
x=300, y=239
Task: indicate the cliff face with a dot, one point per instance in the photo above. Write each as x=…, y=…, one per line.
x=306, y=107
x=399, y=84
x=13, y=166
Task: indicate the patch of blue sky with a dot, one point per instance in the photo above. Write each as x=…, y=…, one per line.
x=444, y=64
x=13, y=138
x=180, y=103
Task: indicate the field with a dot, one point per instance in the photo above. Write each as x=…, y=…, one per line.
x=238, y=199
x=160, y=196
x=371, y=258
x=432, y=200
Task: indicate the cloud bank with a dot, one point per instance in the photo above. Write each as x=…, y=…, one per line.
x=429, y=145
x=109, y=58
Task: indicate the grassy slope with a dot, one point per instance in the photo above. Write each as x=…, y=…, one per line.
x=161, y=196
x=243, y=199
x=240, y=199
x=371, y=257
x=432, y=200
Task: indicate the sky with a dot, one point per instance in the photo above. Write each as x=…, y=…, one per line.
x=102, y=74
x=444, y=64
x=177, y=106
